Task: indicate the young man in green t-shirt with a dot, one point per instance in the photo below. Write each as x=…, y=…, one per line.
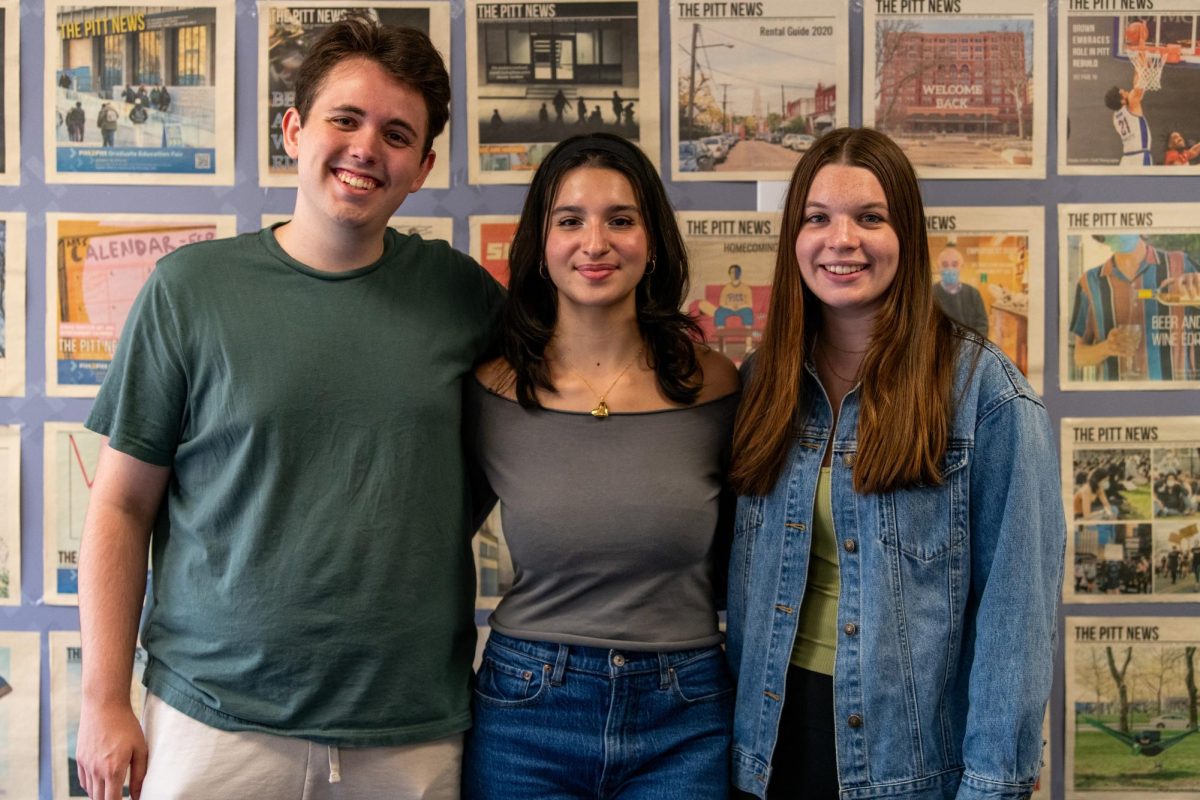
x=284, y=411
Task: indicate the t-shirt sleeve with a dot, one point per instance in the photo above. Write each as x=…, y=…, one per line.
x=141, y=404
x=1080, y=311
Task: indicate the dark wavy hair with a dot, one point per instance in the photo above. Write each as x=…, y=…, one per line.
x=532, y=310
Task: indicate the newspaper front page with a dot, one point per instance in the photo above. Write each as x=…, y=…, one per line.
x=287, y=30
x=10, y=517
x=10, y=93
x=731, y=255
x=494, y=573
x=1131, y=699
x=959, y=84
x=66, y=673
x=1131, y=488
x=12, y=303
x=1130, y=312
x=988, y=276
x=491, y=239
x=1128, y=79
x=754, y=84
x=95, y=266
x=139, y=94
x=71, y=453
x=20, y=712
x=538, y=73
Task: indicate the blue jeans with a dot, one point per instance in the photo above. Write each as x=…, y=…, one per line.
x=564, y=721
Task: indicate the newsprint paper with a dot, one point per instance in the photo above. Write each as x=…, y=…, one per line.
x=20, y=702
x=12, y=303
x=1131, y=700
x=1131, y=488
x=71, y=453
x=10, y=516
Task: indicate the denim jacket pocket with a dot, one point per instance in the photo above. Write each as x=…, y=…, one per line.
x=925, y=522
x=509, y=683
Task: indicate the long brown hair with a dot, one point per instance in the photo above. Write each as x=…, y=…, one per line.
x=908, y=371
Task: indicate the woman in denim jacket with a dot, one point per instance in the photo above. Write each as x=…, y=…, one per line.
x=899, y=540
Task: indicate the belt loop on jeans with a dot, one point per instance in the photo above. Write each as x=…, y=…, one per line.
x=664, y=671
x=560, y=665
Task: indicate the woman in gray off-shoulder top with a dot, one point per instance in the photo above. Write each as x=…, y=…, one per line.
x=604, y=431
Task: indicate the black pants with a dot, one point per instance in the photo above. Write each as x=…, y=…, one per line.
x=804, y=766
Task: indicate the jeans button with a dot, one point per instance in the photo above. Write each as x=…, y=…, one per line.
x=618, y=660
x=850, y=545
x=854, y=720
x=850, y=628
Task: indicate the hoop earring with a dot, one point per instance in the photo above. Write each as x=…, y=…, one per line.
x=650, y=267
x=542, y=271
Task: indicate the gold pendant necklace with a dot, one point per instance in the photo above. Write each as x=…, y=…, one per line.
x=601, y=409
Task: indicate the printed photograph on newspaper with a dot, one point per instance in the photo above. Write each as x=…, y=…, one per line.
x=988, y=276
x=494, y=572
x=95, y=266
x=425, y=227
x=139, y=94
x=731, y=255
x=66, y=673
x=491, y=238
x=12, y=304
x=10, y=94
x=963, y=90
x=20, y=713
x=538, y=73
x=287, y=30
x=754, y=84
x=1130, y=296
x=10, y=517
x=70, y=454
x=1131, y=491
x=1127, y=87
x=1131, y=703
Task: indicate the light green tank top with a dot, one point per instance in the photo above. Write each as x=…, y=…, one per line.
x=815, y=647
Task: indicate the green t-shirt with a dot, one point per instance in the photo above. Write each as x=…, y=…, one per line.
x=312, y=573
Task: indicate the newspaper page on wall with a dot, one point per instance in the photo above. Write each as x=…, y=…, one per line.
x=1041, y=787
x=287, y=30
x=1130, y=296
x=71, y=453
x=494, y=572
x=66, y=673
x=538, y=73
x=959, y=84
x=732, y=259
x=491, y=239
x=20, y=713
x=1131, y=488
x=12, y=303
x=753, y=84
x=1127, y=87
x=1131, y=699
x=988, y=275
x=139, y=94
x=10, y=93
x=425, y=227
x=10, y=517
x=95, y=266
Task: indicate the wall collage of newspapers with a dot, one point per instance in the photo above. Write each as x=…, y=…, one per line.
x=1058, y=145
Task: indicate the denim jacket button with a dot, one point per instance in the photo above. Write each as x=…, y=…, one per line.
x=848, y=459
x=850, y=628
x=850, y=545
x=854, y=720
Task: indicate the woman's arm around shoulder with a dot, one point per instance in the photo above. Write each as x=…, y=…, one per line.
x=720, y=375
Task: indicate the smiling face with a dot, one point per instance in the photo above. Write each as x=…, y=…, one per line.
x=847, y=250
x=596, y=243
x=359, y=153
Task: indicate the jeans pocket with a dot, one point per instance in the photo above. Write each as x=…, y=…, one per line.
x=509, y=682
x=704, y=678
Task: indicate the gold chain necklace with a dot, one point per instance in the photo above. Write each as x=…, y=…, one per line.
x=821, y=349
x=601, y=409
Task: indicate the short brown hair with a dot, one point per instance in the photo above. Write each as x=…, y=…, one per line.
x=406, y=53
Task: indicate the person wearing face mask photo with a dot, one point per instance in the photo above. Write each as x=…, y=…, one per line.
x=960, y=302
x=1120, y=303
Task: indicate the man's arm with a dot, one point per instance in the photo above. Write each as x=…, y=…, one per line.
x=112, y=583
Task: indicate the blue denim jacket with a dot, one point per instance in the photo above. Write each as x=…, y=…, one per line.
x=946, y=619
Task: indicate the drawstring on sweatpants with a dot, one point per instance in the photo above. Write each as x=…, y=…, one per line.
x=335, y=767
